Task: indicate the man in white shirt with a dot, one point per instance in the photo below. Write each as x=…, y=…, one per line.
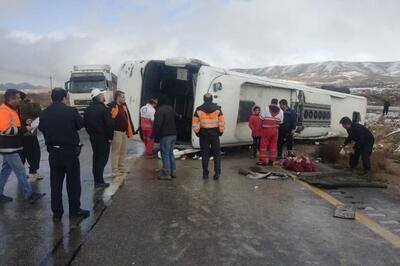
x=146, y=124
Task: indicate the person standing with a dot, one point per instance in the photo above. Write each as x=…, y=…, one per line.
x=11, y=133
x=60, y=125
x=164, y=131
x=146, y=124
x=386, y=106
x=123, y=129
x=30, y=143
x=255, y=126
x=209, y=124
x=364, y=143
x=271, y=118
x=287, y=128
x=99, y=125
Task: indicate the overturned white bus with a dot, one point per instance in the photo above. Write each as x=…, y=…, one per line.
x=185, y=81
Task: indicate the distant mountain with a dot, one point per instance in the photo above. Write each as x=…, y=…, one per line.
x=27, y=87
x=338, y=73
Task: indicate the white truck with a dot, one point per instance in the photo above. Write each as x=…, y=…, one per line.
x=84, y=78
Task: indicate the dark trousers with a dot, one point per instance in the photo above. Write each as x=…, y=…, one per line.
x=364, y=153
x=209, y=145
x=101, y=152
x=31, y=153
x=285, y=136
x=64, y=162
x=385, y=110
x=256, y=145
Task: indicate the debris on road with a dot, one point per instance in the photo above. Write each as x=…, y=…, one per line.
x=345, y=212
x=339, y=179
x=261, y=174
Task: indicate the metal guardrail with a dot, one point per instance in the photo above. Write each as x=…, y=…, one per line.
x=377, y=108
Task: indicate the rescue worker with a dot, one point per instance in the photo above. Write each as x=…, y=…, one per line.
x=209, y=124
x=31, y=152
x=146, y=124
x=123, y=129
x=99, y=125
x=255, y=126
x=60, y=125
x=164, y=131
x=286, y=129
x=364, y=142
x=11, y=132
x=272, y=117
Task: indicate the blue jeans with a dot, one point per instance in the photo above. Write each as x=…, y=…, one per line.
x=167, y=144
x=12, y=162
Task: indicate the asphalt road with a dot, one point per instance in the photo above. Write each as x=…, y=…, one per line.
x=189, y=221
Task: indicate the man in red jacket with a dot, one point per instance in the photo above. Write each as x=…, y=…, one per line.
x=255, y=126
x=271, y=118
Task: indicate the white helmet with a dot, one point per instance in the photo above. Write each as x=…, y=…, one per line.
x=95, y=92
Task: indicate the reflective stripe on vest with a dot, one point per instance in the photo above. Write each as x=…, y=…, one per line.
x=12, y=128
x=209, y=120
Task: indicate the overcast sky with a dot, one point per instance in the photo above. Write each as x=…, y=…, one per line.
x=39, y=38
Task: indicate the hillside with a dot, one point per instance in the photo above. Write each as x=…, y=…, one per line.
x=350, y=74
x=27, y=87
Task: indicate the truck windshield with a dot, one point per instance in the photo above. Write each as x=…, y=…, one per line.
x=86, y=86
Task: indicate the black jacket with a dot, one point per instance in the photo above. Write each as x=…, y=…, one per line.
x=289, y=120
x=164, y=122
x=98, y=121
x=60, y=125
x=360, y=135
x=209, y=107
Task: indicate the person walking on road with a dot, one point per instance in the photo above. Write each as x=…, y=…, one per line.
x=364, y=142
x=60, y=125
x=31, y=152
x=100, y=127
x=123, y=129
x=272, y=117
x=255, y=126
x=286, y=129
x=164, y=131
x=11, y=133
x=146, y=124
x=209, y=124
x=386, y=106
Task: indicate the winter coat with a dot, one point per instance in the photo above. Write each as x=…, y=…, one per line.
x=164, y=122
x=289, y=120
x=98, y=121
x=255, y=124
x=29, y=110
x=362, y=137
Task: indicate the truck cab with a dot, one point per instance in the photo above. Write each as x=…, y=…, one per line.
x=84, y=78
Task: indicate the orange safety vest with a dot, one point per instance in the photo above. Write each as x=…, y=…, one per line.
x=208, y=120
x=114, y=113
x=9, y=121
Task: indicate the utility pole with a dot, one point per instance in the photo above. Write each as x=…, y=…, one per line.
x=51, y=83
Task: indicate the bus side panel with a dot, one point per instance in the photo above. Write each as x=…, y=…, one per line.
x=130, y=82
x=346, y=107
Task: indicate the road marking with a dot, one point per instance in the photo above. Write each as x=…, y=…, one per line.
x=375, y=227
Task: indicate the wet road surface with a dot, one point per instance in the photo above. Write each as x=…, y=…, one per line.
x=28, y=235
x=233, y=221
x=189, y=221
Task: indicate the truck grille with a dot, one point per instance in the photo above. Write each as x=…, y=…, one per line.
x=81, y=102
